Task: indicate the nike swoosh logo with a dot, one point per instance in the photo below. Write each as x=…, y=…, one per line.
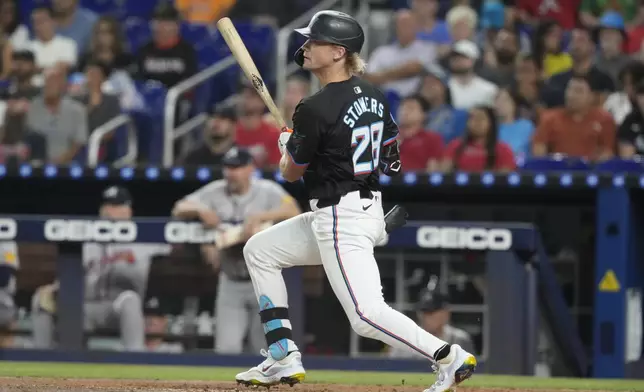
x=367, y=207
x=267, y=367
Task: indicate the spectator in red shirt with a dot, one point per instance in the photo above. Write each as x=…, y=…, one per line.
x=563, y=11
x=479, y=149
x=420, y=150
x=254, y=133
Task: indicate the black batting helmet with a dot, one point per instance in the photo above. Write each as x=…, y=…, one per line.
x=333, y=27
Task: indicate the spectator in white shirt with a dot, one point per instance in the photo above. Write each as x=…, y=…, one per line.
x=398, y=66
x=49, y=48
x=10, y=24
x=468, y=90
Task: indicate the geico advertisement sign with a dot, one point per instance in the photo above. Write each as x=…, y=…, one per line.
x=188, y=233
x=463, y=238
x=84, y=230
x=8, y=229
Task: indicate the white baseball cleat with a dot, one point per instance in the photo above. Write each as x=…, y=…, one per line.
x=454, y=373
x=271, y=372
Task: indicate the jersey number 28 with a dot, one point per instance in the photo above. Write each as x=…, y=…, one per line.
x=365, y=142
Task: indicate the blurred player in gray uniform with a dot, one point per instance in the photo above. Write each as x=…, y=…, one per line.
x=9, y=264
x=116, y=276
x=434, y=317
x=239, y=200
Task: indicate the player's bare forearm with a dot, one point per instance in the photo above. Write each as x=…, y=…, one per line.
x=289, y=170
x=189, y=210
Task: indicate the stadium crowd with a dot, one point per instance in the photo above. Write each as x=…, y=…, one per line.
x=473, y=85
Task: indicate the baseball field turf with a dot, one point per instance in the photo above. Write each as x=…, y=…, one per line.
x=50, y=377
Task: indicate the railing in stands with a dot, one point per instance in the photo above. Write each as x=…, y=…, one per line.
x=284, y=64
x=94, y=143
x=172, y=133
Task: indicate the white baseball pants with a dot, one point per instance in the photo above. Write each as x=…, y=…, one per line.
x=341, y=238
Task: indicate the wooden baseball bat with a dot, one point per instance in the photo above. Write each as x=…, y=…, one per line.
x=240, y=52
x=234, y=235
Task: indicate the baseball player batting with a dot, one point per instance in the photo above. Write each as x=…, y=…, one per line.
x=238, y=199
x=116, y=276
x=342, y=137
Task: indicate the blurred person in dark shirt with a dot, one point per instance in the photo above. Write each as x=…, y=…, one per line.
x=620, y=103
x=479, y=150
x=580, y=129
x=610, y=36
x=168, y=58
x=255, y=133
x=218, y=138
x=441, y=117
x=527, y=88
x=18, y=97
x=630, y=135
x=500, y=60
x=420, y=149
x=108, y=45
x=582, y=50
x=101, y=107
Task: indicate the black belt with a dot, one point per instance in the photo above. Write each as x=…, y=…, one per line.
x=331, y=201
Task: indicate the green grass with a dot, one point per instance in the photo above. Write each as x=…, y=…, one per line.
x=67, y=370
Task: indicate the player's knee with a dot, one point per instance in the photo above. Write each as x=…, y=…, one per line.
x=363, y=323
x=128, y=300
x=252, y=249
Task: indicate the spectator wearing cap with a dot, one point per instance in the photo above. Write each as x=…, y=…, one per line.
x=591, y=11
x=500, y=60
x=582, y=51
x=396, y=67
x=167, y=58
x=619, y=103
x=254, y=132
x=10, y=23
x=441, y=117
x=579, y=129
x=479, y=149
x=630, y=135
x=564, y=12
x=218, y=138
x=467, y=88
x=611, y=37
x=156, y=324
x=430, y=27
x=49, y=48
x=434, y=316
x=57, y=118
x=74, y=22
x=420, y=149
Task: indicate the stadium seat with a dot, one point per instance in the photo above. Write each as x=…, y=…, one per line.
x=101, y=6
x=137, y=31
x=618, y=165
x=556, y=163
x=150, y=123
x=195, y=34
x=138, y=8
x=394, y=100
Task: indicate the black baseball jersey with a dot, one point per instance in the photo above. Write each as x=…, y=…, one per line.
x=339, y=132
